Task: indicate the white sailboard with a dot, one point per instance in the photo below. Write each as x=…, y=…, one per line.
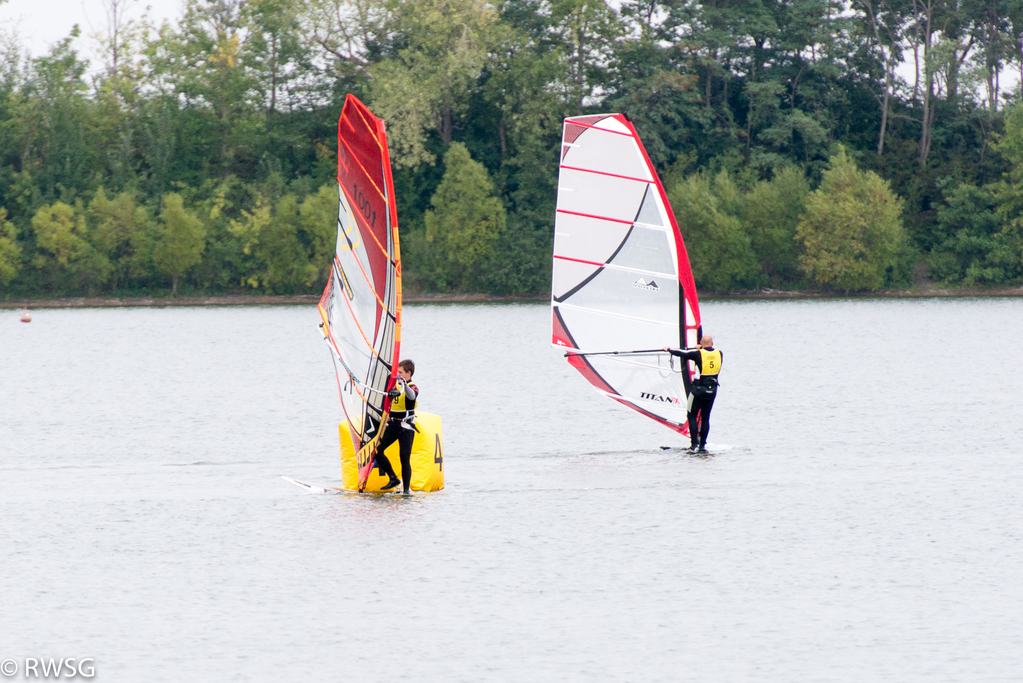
x=311, y=488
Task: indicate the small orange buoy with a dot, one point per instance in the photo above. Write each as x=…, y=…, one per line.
x=25, y=317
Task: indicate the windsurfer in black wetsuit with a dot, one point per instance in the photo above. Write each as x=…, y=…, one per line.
x=401, y=427
x=704, y=388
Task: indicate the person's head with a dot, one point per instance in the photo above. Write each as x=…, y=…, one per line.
x=707, y=341
x=406, y=369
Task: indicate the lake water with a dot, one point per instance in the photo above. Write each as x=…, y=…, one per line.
x=859, y=520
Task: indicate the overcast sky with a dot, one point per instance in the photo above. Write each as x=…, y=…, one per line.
x=41, y=23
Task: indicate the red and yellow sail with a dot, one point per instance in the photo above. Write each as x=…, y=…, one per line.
x=361, y=304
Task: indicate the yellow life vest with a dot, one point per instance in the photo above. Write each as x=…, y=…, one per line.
x=710, y=362
x=398, y=404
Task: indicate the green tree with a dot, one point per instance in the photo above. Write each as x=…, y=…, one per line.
x=10, y=252
x=342, y=33
x=770, y=213
x=586, y=32
x=63, y=236
x=852, y=229
x=236, y=100
x=121, y=235
x=118, y=98
x=275, y=51
x=204, y=63
x=1007, y=253
x=1011, y=145
x=466, y=218
x=973, y=251
x=181, y=240
x=318, y=216
x=427, y=84
x=279, y=258
x=51, y=123
x=522, y=103
x=719, y=249
x=281, y=247
x=248, y=229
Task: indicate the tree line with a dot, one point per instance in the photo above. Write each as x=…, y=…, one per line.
x=836, y=144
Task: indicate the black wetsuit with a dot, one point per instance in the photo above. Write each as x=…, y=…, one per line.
x=402, y=432
x=699, y=411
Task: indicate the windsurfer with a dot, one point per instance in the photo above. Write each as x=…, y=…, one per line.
x=704, y=388
x=401, y=427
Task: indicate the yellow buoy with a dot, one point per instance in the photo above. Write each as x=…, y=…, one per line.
x=427, y=458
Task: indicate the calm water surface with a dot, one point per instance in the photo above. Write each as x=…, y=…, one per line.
x=859, y=520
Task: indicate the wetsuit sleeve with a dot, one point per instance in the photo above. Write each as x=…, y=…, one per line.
x=411, y=391
x=689, y=355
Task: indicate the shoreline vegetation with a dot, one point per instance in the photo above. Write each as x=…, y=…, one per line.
x=929, y=292
x=199, y=156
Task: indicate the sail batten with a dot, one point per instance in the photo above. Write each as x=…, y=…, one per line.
x=621, y=277
x=613, y=266
x=599, y=218
x=622, y=316
x=612, y=175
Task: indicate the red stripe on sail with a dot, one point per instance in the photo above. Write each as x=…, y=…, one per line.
x=613, y=175
x=599, y=218
x=560, y=336
x=579, y=260
x=574, y=127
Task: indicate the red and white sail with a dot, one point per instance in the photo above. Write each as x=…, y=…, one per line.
x=361, y=305
x=621, y=279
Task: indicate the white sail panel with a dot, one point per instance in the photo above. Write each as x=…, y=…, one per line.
x=647, y=250
x=626, y=293
x=616, y=332
x=598, y=195
x=652, y=213
x=651, y=384
x=605, y=152
x=587, y=239
x=612, y=123
x=568, y=276
x=352, y=310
